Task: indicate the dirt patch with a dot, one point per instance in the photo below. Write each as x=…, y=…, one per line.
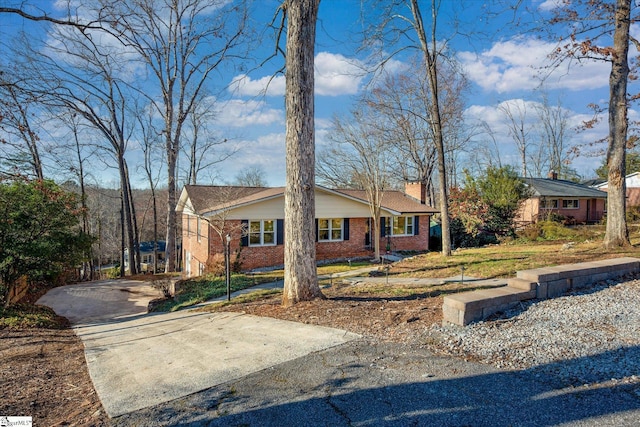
x=379, y=315
x=44, y=375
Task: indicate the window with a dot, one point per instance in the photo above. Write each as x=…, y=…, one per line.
x=549, y=203
x=402, y=226
x=329, y=230
x=262, y=233
x=199, y=231
x=399, y=226
x=201, y=267
x=571, y=204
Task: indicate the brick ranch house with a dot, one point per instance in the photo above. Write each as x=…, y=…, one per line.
x=253, y=218
x=577, y=202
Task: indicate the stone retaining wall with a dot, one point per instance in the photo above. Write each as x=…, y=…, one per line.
x=541, y=283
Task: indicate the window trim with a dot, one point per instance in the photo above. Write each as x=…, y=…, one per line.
x=262, y=232
x=565, y=204
x=330, y=229
x=544, y=203
x=409, y=226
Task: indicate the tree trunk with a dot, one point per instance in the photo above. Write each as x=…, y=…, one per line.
x=300, y=271
x=126, y=213
x=430, y=59
x=170, y=258
x=617, y=233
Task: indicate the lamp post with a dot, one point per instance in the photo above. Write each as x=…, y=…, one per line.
x=227, y=269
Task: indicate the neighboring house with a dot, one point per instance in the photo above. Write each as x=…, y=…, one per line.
x=147, y=255
x=578, y=203
x=632, y=183
x=253, y=217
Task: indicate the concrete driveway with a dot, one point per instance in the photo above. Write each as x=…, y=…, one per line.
x=137, y=360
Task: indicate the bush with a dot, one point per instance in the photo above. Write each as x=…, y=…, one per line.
x=531, y=232
x=633, y=214
x=215, y=265
x=551, y=230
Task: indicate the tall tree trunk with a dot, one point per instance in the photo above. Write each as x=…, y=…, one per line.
x=88, y=262
x=170, y=250
x=126, y=214
x=430, y=58
x=300, y=271
x=135, y=237
x=617, y=233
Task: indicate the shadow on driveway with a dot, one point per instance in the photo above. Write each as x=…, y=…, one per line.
x=360, y=384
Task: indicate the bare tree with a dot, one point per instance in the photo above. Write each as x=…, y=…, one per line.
x=402, y=102
x=22, y=139
x=182, y=43
x=408, y=30
x=593, y=24
x=300, y=270
x=554, y=137
x=360, y=158
x=203, y=149
x=519, y=129
x=75, y=74
x=251, y=176
x=149, y=144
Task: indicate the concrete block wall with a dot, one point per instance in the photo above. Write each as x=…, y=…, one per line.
x=541, y=283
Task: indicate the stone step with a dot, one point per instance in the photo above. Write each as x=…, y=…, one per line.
x=526, y=285
x=468, y=307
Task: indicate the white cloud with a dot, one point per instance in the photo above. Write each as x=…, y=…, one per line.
x=238, y=113
x=244, y=85
x=548, y=5
x=335, y=75
x=522, y=64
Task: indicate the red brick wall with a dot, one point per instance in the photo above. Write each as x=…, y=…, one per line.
x=198, y=249
x=410, y=243
x=352, y=248
x=252, y=257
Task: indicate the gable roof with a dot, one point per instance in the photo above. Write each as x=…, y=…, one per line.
x=395, y=201
x=544, y=187
x=206, y=199
x=213, y=198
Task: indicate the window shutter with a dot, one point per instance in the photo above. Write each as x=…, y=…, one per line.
x=280, y=232
x=416, y=225
x=367, y=235
x=316, y=229
x=382, y=227
x=345, y=229
x=244, y=240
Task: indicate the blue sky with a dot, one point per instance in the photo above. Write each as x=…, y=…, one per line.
x=503, y=65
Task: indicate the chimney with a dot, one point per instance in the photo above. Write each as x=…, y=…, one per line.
x=417, y=190
x=553, y=175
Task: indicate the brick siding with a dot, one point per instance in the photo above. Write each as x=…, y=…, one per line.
x=252, y=257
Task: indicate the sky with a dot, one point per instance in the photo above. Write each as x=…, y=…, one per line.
x=502, y=62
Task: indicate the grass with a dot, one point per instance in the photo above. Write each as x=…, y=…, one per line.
x=25, y=316
x=201, y=289
x=572, y=245
x=498, y=261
